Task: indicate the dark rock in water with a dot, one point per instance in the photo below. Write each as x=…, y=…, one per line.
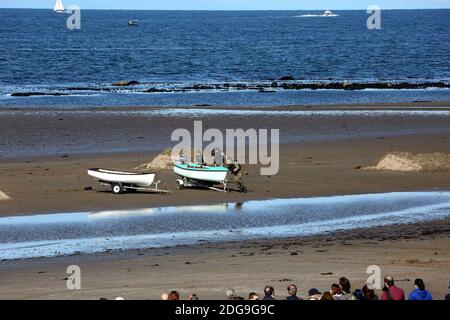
x=29, y=94
x=287, y=78
x=241, y=86
x=26, y=94
x=125, y=83
x=156, y=90
x=203, y=105
x=201, y=87
x=360, y=86
x=274, y=85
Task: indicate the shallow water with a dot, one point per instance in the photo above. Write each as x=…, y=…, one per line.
x=181, y=48
x=70, y=233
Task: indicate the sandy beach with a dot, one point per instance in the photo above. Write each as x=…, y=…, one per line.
x=348, y=108
x=319, y=165
x=318, y=156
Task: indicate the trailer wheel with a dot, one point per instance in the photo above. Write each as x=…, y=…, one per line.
x=179, y=185
x=117, y=188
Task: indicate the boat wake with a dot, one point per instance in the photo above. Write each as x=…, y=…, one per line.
x=316, y=16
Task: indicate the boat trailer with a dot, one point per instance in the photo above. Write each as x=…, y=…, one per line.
x=184, y=182
x=119, y=188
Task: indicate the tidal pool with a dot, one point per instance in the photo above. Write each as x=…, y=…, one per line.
x=52, y=235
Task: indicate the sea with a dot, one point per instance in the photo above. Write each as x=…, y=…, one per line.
x=226, y=58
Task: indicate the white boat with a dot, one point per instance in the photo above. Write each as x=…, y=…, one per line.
x=59, y=7
x=133, y=23
x=121, y=181
x=328, y=13
x=195, y=175
x=134, y=178
x=201, y=173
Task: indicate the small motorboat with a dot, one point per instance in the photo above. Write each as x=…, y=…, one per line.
x=328, y=13
x=196, y=175
x=133, y=23
x=122, y=181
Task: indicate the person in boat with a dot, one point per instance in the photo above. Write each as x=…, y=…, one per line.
x=199, y=158
x=236, y=169
x=218, y=157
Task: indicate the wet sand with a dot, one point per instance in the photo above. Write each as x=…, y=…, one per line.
x=30, y=132
x=319, y=156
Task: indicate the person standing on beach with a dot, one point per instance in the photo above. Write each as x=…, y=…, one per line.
x=390, y=291
x=336, y=291
x=236, y=169
x=173, y=295
x=346, y=289
x=269, y=293
x=419, y=293
x=314, y=294
x=292, y=292
x=230, y=293
x=368, y=294
x=253, y=296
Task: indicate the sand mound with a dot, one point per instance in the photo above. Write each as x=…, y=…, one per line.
x=413, y=162
x=162, y=161
x=4, y=196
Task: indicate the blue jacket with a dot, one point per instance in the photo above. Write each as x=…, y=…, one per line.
x=418, y=294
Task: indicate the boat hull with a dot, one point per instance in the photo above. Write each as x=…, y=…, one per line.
x=126, y=178
x=201, y=173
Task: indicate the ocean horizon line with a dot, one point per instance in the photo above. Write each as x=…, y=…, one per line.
x=237, y=10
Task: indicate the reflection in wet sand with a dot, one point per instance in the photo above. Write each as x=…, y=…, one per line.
x=64, y=234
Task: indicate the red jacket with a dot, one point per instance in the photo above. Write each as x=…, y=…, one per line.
x=396, y=293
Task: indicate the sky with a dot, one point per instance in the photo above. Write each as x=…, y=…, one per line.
x=231, y=4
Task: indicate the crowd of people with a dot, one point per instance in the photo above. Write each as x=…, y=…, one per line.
x=337, y=291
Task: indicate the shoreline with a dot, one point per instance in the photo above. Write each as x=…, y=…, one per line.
x=425, y=105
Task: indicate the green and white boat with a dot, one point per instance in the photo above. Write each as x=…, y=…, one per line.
x=196, y=175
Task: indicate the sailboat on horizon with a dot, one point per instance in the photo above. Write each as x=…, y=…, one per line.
x=59, y=7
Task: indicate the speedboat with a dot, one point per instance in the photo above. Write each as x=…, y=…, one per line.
x=197, y=175
x=133, y=23
x=122, y=181
x=328, y=13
